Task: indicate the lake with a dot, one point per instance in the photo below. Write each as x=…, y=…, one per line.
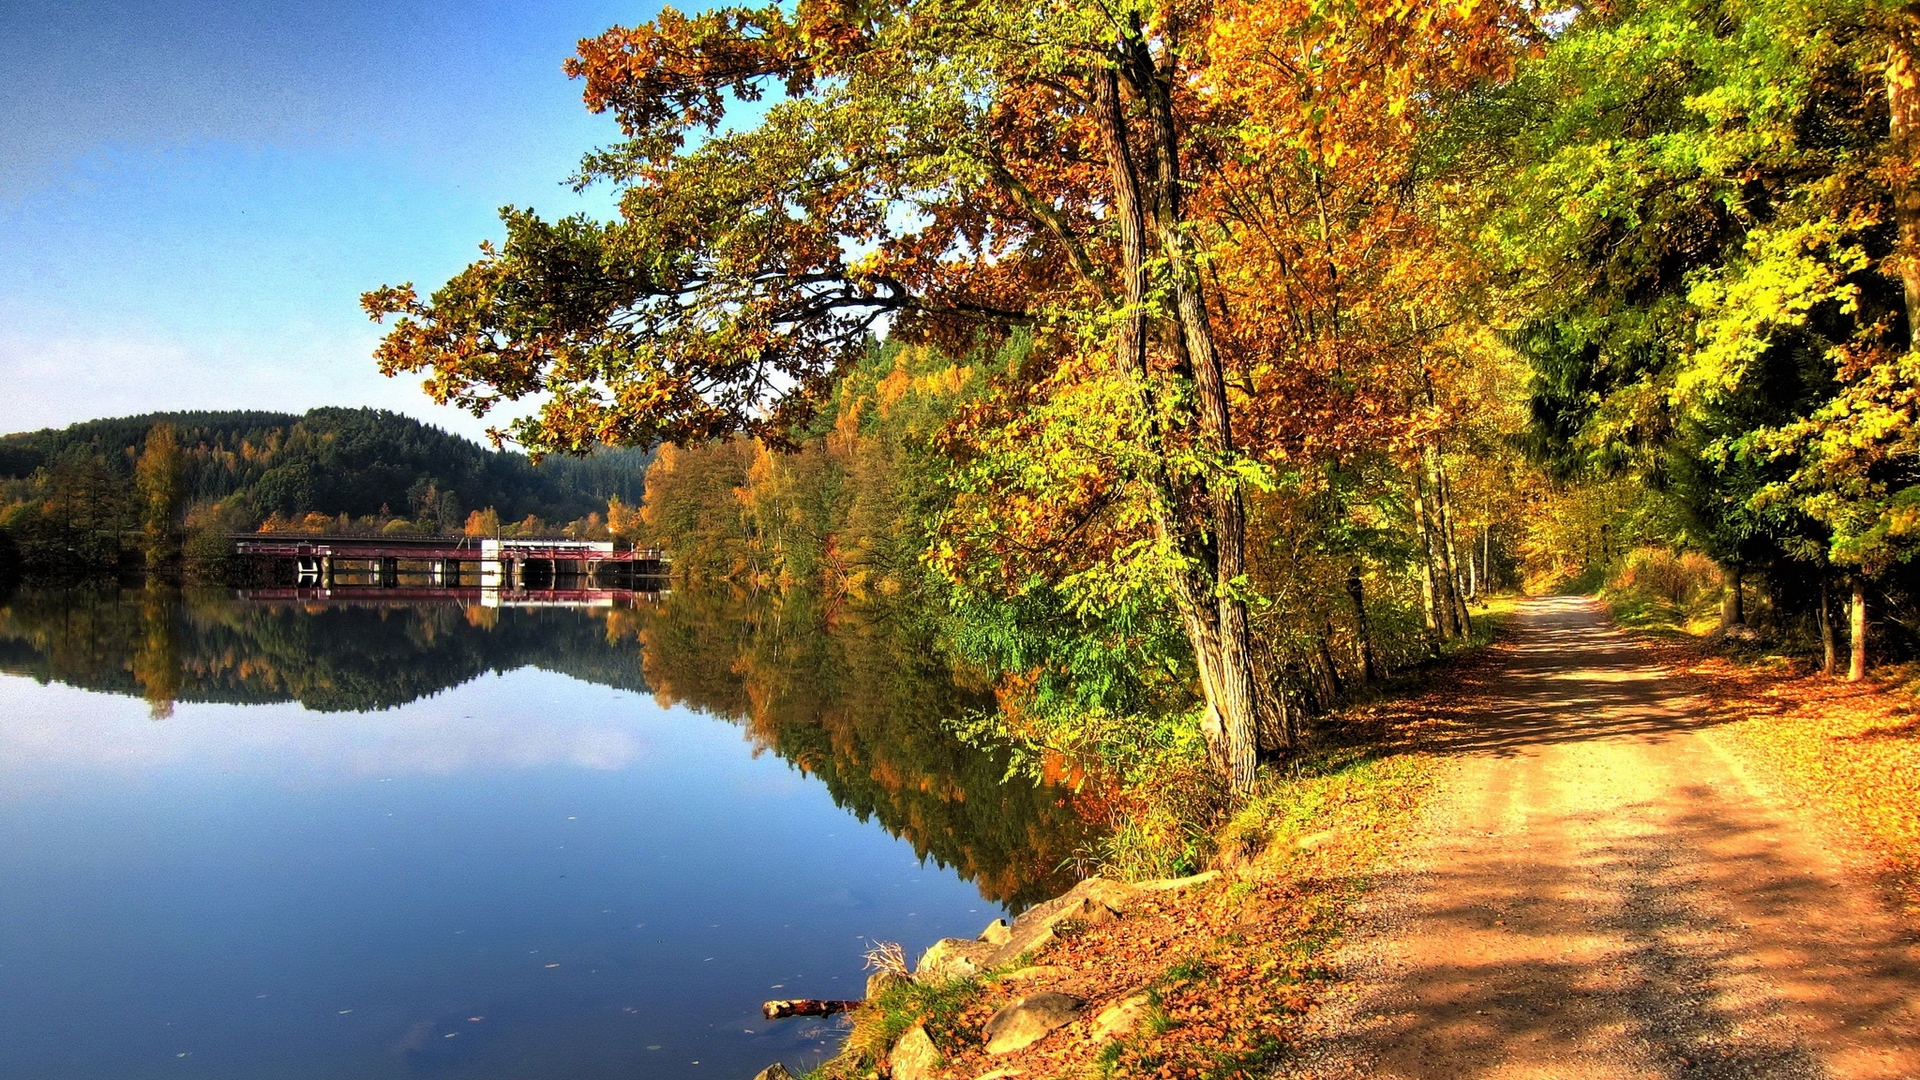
x=247, y=839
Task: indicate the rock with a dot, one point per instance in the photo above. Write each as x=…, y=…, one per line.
x=775, y=1071
x=1086, y=912
x=1115, y=894
x=1027, y=935
x=1118, y=1020
x=915, y=1057
x=1313, y=840
x=1025, y=1021
x=1093, y=901
x=952, y=958
x=997, y=932
x=882, y=981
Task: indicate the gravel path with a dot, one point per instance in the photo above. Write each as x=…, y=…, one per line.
x=1603, y=893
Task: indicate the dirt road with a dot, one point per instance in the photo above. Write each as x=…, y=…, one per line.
x=1604, y=892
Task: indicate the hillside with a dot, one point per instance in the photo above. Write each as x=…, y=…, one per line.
x=337, y=461
x=78, y=500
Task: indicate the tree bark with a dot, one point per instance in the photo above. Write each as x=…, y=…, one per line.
x=780, y=1010
x=1857, y=666
x=1330, y=670
x=1238, y=687
x=1733, y=605
x=1829, y=645
x=1443, y=489
x=1429, y=586
x=1903, y=108
x=1213, y=615
x=1362, y=632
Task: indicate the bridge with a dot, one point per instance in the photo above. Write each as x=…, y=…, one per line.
x=522, y=570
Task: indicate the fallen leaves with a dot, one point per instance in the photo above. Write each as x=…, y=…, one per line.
x=1848, y=750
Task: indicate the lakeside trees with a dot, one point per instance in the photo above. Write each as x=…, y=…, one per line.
x=960, y=174
x=1286, y=327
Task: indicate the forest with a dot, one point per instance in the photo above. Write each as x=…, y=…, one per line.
x=167, y=488
x=1202, y=362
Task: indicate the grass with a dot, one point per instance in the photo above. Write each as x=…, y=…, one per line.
x=898, y=1009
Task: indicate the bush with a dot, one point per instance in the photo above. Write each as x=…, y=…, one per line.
x=1682, y=579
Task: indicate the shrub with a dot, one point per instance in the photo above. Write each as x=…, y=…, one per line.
x=1682, y=579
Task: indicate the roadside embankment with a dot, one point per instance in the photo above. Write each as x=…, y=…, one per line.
x=1206, y=976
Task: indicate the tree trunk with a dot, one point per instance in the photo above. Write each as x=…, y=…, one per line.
x=780, y=1010
x=1829, y=645
x=1857, y=667
x=1443, y=489
x=1446, y=601
x=1195, y=348
x=1903, y=108
x=1437, y=624
x=1733, y=605
x=1331, y=670
x=1486, y=555
x=1215, y=617
x=1362, y=633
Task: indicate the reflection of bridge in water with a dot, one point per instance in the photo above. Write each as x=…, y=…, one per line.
x=451, y=569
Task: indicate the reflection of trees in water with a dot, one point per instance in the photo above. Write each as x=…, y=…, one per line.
x=856, y=696
x=204, y=645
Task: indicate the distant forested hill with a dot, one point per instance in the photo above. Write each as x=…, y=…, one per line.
x=337, y=461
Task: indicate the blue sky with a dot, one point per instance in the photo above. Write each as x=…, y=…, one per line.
x=193, y=194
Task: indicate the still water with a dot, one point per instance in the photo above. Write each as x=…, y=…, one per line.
x=262, y=840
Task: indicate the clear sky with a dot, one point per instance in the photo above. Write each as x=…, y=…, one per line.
x=193, y=193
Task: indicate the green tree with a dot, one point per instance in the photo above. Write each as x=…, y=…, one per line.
x=160, y=482
x=1705, y=211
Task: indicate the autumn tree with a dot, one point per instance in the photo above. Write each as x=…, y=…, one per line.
x=160, y=481
x=953, y=173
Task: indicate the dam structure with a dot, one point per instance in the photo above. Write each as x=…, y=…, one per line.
x=487, y=571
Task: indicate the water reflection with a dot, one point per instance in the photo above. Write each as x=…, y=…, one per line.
x=851, y=695
x=855, y=696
